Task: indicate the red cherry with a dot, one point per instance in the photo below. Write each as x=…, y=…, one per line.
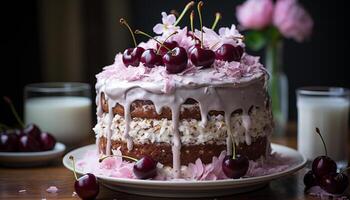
x=145, y=168
x=323, y=165
x=28, y=144
x=87, y=186
x=32, y=130
x=334, y=183
x=310, y=179
x=150, y=58
x=235, y=167
x=9, y=141
x=169, y=45
x=228, y=52
x=176, y=60
x=47, y=141
x=202, y=57
x=131, y=56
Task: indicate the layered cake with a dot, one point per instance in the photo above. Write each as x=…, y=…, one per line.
x=179, y=114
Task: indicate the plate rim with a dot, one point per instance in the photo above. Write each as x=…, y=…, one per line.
x=59, y=148
x=224, y=182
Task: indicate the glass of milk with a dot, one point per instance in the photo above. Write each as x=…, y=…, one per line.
x=62, y=109
x=328, y=109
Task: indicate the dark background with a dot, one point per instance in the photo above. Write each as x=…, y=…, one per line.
x=319, y=61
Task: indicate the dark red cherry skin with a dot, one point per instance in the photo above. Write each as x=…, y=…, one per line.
x=145, y=168
x=169, y=45
x=228, y=52
x=87, y=187
x=176, y=60
x=47, y=141
x=235, y=168
x=310, y=179
x=202, y=57
x=32, y=130
x=132, y=56
x=28, y=144
x=323, y=165
x=150, y=58
x=9, y=141
x=190, y=49
x=190, y=34
x=334, y=183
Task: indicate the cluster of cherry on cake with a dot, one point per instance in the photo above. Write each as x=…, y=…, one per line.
x=28, y=138
x=324, y=174
x=174, y=57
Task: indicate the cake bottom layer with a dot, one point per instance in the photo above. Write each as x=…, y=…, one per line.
x=189, y=153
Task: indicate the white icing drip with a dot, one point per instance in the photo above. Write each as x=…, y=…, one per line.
x=226, y=97
x=176, y=148
x=127, y=117
x=246, y=122
x=109, y=128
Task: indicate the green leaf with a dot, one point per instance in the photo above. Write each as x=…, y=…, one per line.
x=255, y=40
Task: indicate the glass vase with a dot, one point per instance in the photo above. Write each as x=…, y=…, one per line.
x=278, y=85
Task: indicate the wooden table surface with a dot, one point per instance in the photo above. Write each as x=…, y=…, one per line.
x=36, y=180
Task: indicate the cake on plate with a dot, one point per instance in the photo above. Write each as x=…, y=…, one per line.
x=204, y=96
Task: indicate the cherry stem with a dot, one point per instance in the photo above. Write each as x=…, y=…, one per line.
x=217, y=19
x=191, y=21
x=199, y=8
x=187, y=7
x=14, y=112
x=147, y=35
x=324, y=144
x=123, y=22
x=165, y=41
x=75, y=174
x=233, y=150
x=128, y=157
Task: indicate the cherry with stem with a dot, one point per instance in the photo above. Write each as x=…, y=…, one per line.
x=323, y=165
x=335, y=183
x=86, y=186
x=235, y=166
x=171, y=45
x=198, y=54
x=131, y=56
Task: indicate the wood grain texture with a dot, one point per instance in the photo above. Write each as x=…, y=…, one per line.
x=36, y=180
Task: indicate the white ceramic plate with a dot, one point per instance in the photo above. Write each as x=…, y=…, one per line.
x=29, y=159
x=190, y=188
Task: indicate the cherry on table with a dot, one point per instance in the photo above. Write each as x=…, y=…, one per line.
x=228, y=52
x=32, y=130
x=176, y=60
x=323, y=165
x=86, y=186
x=235, y=167
x=150, y=58
x=310, y=179
x=145, y=168
x=28, y=144
x=334, y=183
x=47, y=141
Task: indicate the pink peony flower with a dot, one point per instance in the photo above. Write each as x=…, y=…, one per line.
x=292, y=20
x=255, y=14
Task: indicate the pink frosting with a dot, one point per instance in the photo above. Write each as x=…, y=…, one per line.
x=118, y=168
x=225, y=72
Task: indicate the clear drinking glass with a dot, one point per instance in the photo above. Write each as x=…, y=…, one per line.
x=328, y=109
x=62, y=109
